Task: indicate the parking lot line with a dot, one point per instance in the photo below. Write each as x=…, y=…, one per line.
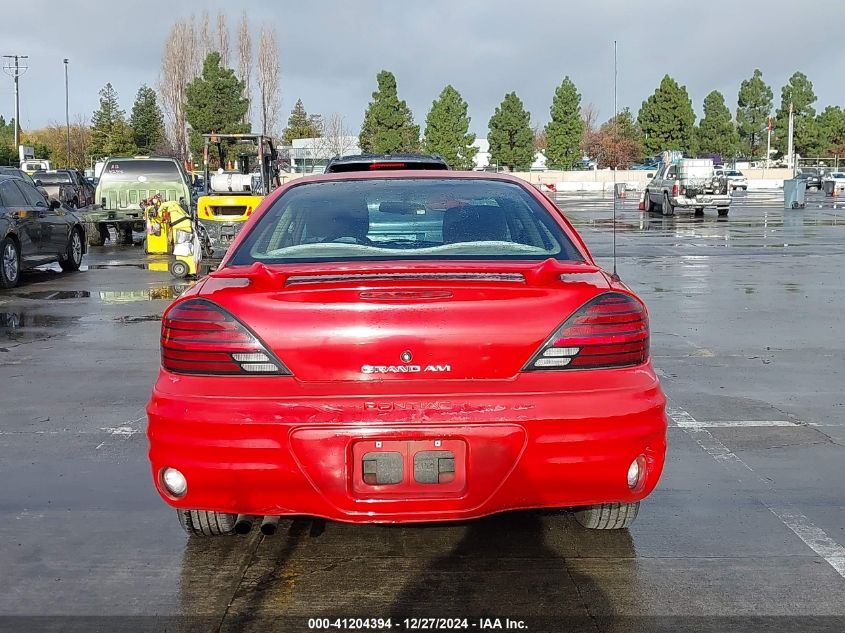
x=814, y=537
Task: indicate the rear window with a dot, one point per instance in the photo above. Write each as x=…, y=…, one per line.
x=734, y=173
x=141, y=171
x=57, y=178
x=391, y=219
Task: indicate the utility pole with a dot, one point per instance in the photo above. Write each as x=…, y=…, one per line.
x=15, y=70
x=769, y=141
x=67, y=115
x=791, y=150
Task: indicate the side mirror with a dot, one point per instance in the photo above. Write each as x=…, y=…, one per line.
x=54, y=204
x=649, y=175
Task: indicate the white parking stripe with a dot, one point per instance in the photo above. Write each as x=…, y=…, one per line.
x=684, y=420
x=814, y=537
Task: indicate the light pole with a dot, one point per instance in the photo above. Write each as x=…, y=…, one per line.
x=15, y=70
x=67, y=115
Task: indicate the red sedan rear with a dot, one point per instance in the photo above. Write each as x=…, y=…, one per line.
x=405, y=346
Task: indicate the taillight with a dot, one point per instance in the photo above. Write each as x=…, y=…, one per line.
x=675, y=189
x=608, y=331
x=200, y=337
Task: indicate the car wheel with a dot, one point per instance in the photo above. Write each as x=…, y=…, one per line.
x=97, y=233
x=125, y=234
x=179, y=269
x=608, y=516
x=73, y=258
x=667, y=209
x=699, y=211
x=10, y=263
x=206, y=523
x=649, y=205
x=723, y=211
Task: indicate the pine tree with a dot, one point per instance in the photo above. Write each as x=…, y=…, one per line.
x=146, y=121
x=388, y=123
x=301, y=124
x=667, y=119
x=110, y=134
x=754, y=105
x=799, y=92
x=510, y=135
x=831, y=126
x=214, y=102
x=447, y=130
x=566, y=129
x=716, y=133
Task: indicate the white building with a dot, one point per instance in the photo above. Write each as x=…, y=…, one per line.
x=311, y=155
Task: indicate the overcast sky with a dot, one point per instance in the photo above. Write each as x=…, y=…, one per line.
x=331, y=50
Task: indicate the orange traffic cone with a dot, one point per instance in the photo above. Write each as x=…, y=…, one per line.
x=642, y=202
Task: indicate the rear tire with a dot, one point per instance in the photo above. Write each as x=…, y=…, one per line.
x=97, y=233
x=10, y=263
x=648, y=204
x=667, y=207
x=179, y=269
x=723, y=211
x=206, y=523
x=125, y=234
x=73, y=257
x=608, y=516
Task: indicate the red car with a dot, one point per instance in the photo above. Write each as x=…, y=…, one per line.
x=400, y=346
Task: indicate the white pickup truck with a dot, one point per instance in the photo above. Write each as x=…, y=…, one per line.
x=689, y=183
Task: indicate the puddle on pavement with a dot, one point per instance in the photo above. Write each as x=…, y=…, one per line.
x=22, y=325
x=138, y=319
x=115, y=265
x=58, y=295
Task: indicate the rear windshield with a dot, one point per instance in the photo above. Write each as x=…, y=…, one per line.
x=734, y=173
x=391, y=219
x=141, y=171
x=56, y=178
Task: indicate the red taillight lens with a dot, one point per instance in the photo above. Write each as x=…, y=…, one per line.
x=200, y=337
x=675, y=189
x=609, y=331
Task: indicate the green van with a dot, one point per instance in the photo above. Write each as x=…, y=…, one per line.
x=123, y=184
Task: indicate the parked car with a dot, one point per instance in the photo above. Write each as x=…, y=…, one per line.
x=398, y=388
x=689, y=183
x=834, y=182
x=812, y=178
x=68, y=186
x=34, y=232
x=19, y=173
x=123, y=184
x=736, y=179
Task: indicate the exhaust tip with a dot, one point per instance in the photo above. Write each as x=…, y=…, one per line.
x=269, y=525
x=243, y=524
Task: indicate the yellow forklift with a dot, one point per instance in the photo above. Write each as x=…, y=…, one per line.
x=231, y=195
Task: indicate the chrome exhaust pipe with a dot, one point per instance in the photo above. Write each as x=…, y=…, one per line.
x=269, y=525
x=243, y=523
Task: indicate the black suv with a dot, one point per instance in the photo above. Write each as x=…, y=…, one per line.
x=372, y=162
x=813, y=178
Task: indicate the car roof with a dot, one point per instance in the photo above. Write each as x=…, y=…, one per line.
x=371, y=162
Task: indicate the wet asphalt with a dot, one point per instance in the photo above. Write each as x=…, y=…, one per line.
x=746, y=530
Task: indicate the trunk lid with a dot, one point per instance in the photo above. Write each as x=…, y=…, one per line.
x=432, y=321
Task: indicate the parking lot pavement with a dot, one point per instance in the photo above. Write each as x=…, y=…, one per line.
x=746, y=529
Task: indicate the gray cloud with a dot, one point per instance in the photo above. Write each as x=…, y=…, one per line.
x=331, y=50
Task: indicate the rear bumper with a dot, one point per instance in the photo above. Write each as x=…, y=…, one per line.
x=701, y=201
x=521, y=449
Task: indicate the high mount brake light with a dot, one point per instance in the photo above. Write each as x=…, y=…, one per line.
x=608, y=331
x=200, y=337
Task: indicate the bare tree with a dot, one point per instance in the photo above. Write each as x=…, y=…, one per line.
x=268, y=80
x=245, y=59
x=336, y=138
x=178, y=67
x=223, y=39
x=204, y=42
